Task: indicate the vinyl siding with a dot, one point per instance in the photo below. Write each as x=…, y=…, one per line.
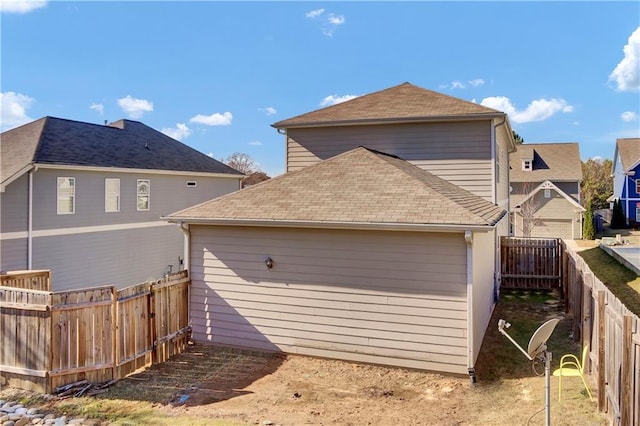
x=556, y=218
x=119, y=258
x=483, y=249
x=14, y=206
x=13, y=254
x=381, y=297
x=459, y=152
x=168, y=194
x=502, y=168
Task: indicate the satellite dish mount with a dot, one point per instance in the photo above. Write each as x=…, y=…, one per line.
x=537, y=349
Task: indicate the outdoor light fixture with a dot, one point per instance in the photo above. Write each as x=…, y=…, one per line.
x=269, y=262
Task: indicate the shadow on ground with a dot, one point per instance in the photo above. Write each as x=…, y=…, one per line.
x=526, y=310
x=203, y=374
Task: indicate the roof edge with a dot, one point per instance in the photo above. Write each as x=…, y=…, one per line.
x=369, y=121
x=364, y=226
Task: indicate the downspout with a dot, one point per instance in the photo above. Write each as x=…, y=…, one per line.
x=468, y=238
x=187, y=259
x=494, y=192
x=496, y=237
x=30, y=220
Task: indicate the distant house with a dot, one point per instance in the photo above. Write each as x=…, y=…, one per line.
x=626, y=178
x=85, y=200
x=379, y=244
x=545, y=190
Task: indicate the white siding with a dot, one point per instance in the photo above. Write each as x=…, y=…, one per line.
x=483, y=287
x=459, y=152
x=381, y=297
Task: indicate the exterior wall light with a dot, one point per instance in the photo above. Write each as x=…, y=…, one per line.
x=269, y=262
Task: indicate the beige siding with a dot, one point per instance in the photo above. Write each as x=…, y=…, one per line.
x=483, y=249
x=555, y=217
x=382, y=297
x=459, y=152
x=502, y=168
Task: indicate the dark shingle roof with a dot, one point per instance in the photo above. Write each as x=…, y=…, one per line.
x=403, y=102
x=124, y=144
x=343, y=189
x=551, y=161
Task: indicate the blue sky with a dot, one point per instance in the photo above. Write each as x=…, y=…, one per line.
x=215, y=75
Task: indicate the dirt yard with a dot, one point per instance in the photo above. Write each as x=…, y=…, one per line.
x=216, y=386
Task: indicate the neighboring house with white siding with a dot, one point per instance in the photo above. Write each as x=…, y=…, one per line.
x=626, y=178
x=545, y=191
x=379, y=244
x=85, y=200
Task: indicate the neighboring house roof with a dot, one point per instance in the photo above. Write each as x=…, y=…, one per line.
x=123, y=144
x=629, y=151
x=405, y=102
x=551, y=161
x=357, y=188
x=516, y=203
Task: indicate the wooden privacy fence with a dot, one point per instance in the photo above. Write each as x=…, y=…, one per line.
x=32, y=280
x=530, y=263
x=613, y=335
x=50, y=339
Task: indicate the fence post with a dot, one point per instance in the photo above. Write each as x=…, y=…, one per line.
x=627, y=371
x=115, y=374
x=602, y=404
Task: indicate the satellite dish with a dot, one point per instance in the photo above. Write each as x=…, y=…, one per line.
x=539, y=339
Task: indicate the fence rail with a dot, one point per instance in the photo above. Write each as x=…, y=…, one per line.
x=93, y=334
x=612, y=332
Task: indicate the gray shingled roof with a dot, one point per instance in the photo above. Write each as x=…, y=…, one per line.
x=124, y=144
x=551, y=161
x=629, y=151
x=405, y=102
x=356, y=187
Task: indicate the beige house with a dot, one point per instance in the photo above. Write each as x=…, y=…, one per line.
x=379, y=244
x=545, y=190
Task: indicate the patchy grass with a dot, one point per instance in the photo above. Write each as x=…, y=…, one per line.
x=230, y=387
x=622, y=282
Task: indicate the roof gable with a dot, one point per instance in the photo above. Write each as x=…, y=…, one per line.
x=551, y=161
x=551, y=186
x=405, y=102
x=629, y=151
x=357, y=187
x=126, y=144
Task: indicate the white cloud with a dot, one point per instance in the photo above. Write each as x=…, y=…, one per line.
x=596, y=158
x=335, y=99
x=477, y=82
x=14, y=108
x=215, y=119
x=457, y=85
x=180, y=132
x=268, y=110
x=97, y=107
x=255, y=143
x=627, y=73
x=314, y=13
x=537, y=110
x=135, y=108
x=210, y=154
x=17, y=6
x=629, y=116
x=329, y=22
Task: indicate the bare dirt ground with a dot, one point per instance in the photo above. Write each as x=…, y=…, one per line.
x=208, y=385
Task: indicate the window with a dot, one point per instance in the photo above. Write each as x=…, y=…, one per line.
x=192, y=184
x=143, y=194
x=637, y=186
x=526, y=164
x=66, y=195
x=547, y=193
x=111, y=195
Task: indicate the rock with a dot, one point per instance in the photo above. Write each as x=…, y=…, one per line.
x=91, y=422
x=33, y=411
x=49, y=417
x=37, y=420
x=77, y=421
x=9, y=423
x=7, y=408
x=22, y=411
x=14, y=416
x=3, y=418
x=24, y=421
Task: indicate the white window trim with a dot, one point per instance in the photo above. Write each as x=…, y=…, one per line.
x=547, y=193
x=527, y=165
x=107, y=194
x=192, y=184
x=139, y=194
x=73, y=196
x=637, y=186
